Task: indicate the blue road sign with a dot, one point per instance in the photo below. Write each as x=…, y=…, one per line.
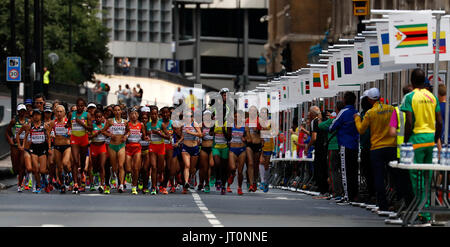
x=13, y=69
x=172, y=66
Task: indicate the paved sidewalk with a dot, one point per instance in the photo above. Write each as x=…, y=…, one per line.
x=5, y=168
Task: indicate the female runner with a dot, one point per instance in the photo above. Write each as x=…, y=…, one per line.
x=98, y=148
x=156, y=150
x=116, y=148
x=17, y=157
x=237, y=149
x=190, y=149
x=206, y=159
x=62, y=149
x=136, y=131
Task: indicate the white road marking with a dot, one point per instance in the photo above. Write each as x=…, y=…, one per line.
x=92, y=195
x=44, y=225
x=283, y=198
x=210, y=216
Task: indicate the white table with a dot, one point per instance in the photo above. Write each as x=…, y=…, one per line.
x=417, y=205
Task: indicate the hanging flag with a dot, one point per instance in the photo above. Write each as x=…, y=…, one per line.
x=316, y=80
x=383, y=41
x=442, y=43
x=410, y=33
x=360, y=60
x=307, y=88
x=348, y=65
x=301, y=86
x=246, y=104
x=374, y=55
x=268, y=99
x=325, y=81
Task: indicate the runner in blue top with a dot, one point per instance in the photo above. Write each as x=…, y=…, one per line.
x=237, y=149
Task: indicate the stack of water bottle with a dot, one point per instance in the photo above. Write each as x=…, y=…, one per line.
x=407, y=154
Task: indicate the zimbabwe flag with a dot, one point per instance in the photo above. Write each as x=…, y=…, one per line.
x=414, y=35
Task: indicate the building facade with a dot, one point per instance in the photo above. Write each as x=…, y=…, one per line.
x=221, y=41
x=140, y=30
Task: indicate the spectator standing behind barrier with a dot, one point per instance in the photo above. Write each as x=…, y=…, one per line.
x=139, y=95
x=119, y=66
x=126, y=66
x=402, y=182
x=334, y=163
x=347, y=137
x=423, y=129
x=177, y=97
x=442, y=96
x=364, y=143
x=119, y=95
x=383, y=147
x=318, y=138
x=127, y=94
x=46, y=81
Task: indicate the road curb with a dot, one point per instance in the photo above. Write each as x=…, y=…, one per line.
x=5, y=173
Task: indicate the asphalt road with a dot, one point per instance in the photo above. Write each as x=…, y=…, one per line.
x=196, y=209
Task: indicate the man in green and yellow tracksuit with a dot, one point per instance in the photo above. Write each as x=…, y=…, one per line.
x=422, y=128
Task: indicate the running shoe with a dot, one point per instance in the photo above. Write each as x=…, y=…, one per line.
x=145, y=191
x=207, y=189
x=239, y=191
x=229, y=189
x=107, y=190
x=199, y=187
x=128, y=178
x=261, y=186
x=19, y=189
x=82, y=188
x=191, y=182
x=266, y=188
x=172, y=189
x=164, y=191
x=47, y=189
x=223, y=191
x=101, y=189
x=134, y=191
x=30, y=184
x=114, y=183
x=75, y=189
x=50, y=187
x=153, y=191
x=185, y=188
x=121, y=189
x=250, y=189
x=70, y=188
x=140, y=186
x=92, y=187
x=62, y=190
x=26, y=187
x=37, y=191
x=34, y=190
x=83, y=178
x=212, y=181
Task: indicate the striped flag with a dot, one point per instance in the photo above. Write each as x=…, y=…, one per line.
x=442, y=43
x=268, y=99
x=246, y=103
x=360, y=60
x=374, y=55
x=413, y=35
x=385, y=43
x=301, y=86
x=332, y=72
x=307, y=88
x=316, y=80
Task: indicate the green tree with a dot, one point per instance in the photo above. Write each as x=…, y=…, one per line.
x=89, y=37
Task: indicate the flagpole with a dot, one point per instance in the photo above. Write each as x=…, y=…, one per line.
x=436, y=57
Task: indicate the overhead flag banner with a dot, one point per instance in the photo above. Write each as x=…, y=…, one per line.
x=410, y=33
x=316, y=80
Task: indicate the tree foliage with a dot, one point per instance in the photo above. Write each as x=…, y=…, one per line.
x=89, y=37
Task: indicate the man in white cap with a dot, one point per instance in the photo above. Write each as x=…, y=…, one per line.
x=383, y=147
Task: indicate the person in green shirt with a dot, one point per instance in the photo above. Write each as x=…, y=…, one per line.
x=423, y=128
x=334, y=158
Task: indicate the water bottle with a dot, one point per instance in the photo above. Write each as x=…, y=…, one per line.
x=403, y=153
x=408, y=154
x=443, y=160
x=435, y=155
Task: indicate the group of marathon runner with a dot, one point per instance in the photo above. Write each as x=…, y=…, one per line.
x=54, y=147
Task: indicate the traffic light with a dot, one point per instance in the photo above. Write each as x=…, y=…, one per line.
x=286, y=55
x=361, y=7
